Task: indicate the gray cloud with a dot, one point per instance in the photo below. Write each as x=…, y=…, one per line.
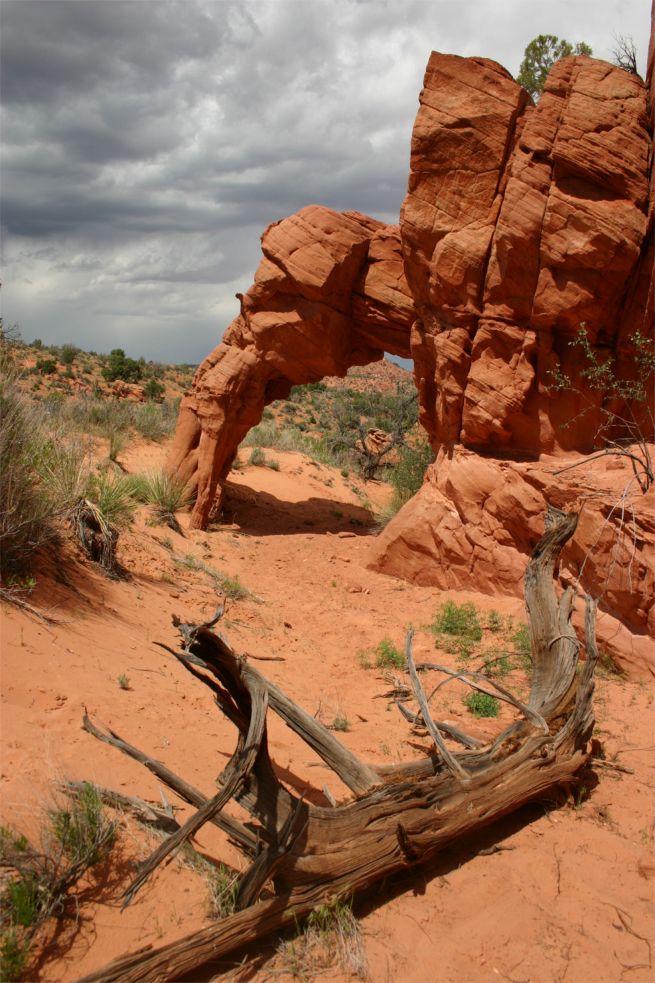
x=146, y=145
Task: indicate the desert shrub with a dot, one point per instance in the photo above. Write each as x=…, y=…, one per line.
x=46, y=366
x=407, y=475
x=154, y=390
x=119, y=366
x=40, y=881
x=68, y=354
x=482, y=704
x=458, y=619
x=156, y=370
x=387, y=656
x=257, y=457
x=291, y=439
x=523, y=645
x=494, y=621
x=497, y=663
x=340, y=723
x=41, y=476
x=152, y=421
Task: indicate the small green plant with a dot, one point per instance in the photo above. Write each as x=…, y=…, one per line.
x=68, y=354
x=523, y=645
x=387, y=656
x=117, y=443
x=364, y=659
x=154, y=421
x=40, y=880
x=482, y=704
x=257, y=457
x=230, y=586
x=82, y=829
x=494, y=621
x=46, y=366
x=123, y=681
x=154, y=390
x=233, y=588
x=461, y=647
x=497, y=663
x=340, y=723
x=458, y=619
x=14, y=952
x=272, y=464
x=223, y=891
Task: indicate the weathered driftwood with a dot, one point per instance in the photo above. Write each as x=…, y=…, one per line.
x=401, y=815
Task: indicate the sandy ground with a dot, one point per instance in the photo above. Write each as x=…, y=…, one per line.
x=568, y=894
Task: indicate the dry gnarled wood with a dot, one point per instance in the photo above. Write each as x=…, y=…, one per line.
x=402, y=815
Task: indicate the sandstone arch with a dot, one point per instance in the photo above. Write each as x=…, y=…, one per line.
x=520, y=223
x=329, y=293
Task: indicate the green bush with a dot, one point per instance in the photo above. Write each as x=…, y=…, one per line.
x=257, y=457
x=41, y=476
x=494, y=621
x=154, y=390
x=68, y=354
x=387, y=656
x=497, y=663
x=482, y=704
x=523, y=645
x=407, y=475
x=153, y=421
x=46, y=366
x=40, y=882
x=458, y=619
x=119, y=366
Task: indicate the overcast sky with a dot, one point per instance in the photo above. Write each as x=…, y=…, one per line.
x=146, y=144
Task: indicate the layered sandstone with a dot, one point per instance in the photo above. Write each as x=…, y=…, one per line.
x=521, y=224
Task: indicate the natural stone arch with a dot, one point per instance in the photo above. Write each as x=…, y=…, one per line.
x=330, y=293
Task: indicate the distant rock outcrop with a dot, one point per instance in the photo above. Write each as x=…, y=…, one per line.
x=521, y=223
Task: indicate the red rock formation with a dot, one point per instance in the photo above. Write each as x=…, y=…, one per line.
x=558, y=234
x=520, y=224
x=329, y=293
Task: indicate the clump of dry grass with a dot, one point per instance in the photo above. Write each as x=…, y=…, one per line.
x=331, y=937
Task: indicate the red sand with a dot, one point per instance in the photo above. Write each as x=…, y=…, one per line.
x=567, y=897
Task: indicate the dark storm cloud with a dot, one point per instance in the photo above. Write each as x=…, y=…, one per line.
x=146, y=145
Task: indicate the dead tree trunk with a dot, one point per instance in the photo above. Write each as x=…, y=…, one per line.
x=401, y=815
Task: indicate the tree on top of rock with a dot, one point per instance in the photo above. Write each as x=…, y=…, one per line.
x=540, y=56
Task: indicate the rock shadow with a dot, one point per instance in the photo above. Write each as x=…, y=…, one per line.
x=262, y=514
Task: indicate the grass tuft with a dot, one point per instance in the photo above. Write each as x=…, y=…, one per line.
x=331, y=937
